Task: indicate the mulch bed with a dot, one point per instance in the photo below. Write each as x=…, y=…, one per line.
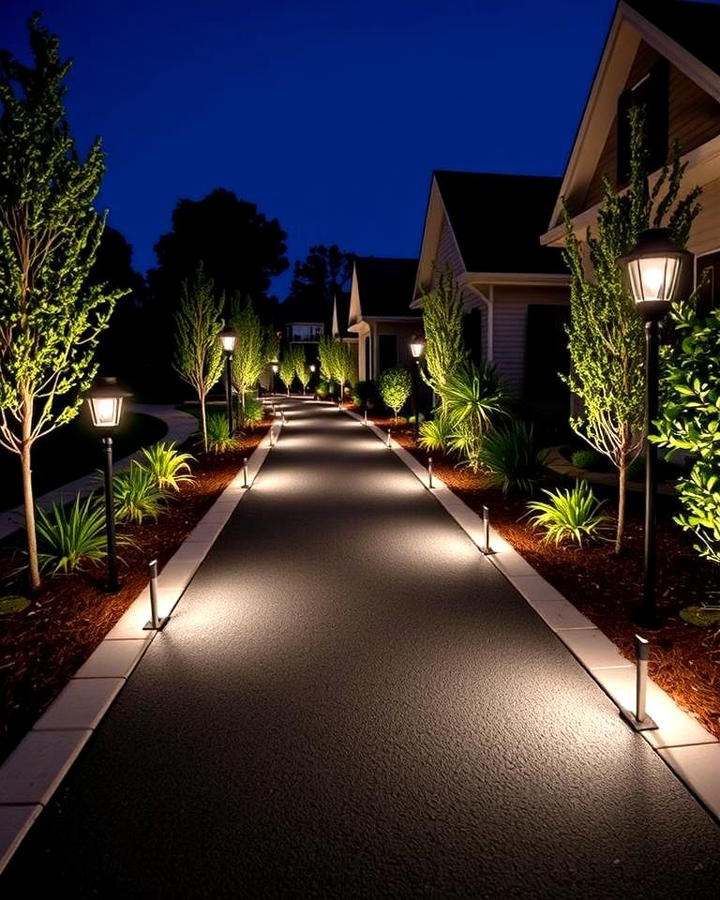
x=42, y=646
x=685, y=659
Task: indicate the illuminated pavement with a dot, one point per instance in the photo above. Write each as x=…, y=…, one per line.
x=351, y=702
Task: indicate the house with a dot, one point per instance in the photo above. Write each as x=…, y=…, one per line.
x=486, y=228
x=665, y=55
x=380, y=314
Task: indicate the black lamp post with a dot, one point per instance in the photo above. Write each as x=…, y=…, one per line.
x=655, y=268
x=417, y=347
x=227, y=338
x=105, y=400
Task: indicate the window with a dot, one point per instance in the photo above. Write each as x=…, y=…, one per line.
x=652, y=94
x=387, y=352
x=304, y=333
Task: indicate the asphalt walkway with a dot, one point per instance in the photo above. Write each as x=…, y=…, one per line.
x=350, y=701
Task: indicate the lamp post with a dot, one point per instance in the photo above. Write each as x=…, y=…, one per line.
x=105, y=400
x=417, y=347
x=227, y=338
x=654, y=267
x=275, y=368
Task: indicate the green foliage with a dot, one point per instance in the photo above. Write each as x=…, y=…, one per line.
x=395, y=386
x=691, y=421
x=302, y=372
x=511, y=459
x=198, y=353
x=249, y=356
x=325, y=388
x=287, y=371
x=436, y=434
x=137, y=494
x=168, y=466
x=605, y=334
x=474, y=397
x=365, y=393
x=51, y=317
x=219, y=438
x=337, y=361
x=72, y=536
x=443, y=316
x=573, y=514
x=254, y=410
x=702, y=616
x=589, y=459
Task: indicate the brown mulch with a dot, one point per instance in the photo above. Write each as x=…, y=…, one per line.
x=685, y=659
x=43, y=645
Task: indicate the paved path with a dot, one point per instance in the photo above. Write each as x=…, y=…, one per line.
x=351, y=702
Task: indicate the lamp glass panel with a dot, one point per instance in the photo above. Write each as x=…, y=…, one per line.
x=654, y=278
x=228, y=342
x=105, y=411
x=416, y=348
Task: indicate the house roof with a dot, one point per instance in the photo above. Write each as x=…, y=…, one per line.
x=497, y=220
x=692, y=25
x=341, y=309
x=385, y=285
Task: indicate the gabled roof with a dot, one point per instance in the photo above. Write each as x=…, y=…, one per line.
x=683, y=32
x=385, y=285
x=341, y=313
x=497, y=220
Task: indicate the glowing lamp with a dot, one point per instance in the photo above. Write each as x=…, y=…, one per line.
x=417, y=346
x=105, y=400
x=655, y=267
x=275, y=367
x=228, y=337
x=312, y=369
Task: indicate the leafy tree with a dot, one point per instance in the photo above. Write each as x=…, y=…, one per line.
x=302, y=373
x=443, y=316
x=198, y=354
x=50, y=315
x=317, y=280
x=249, y=357
x=605, y=334
x=691, y=420
x=337, y=362
x=287, y=371
x=326, y=354
x=395, y=386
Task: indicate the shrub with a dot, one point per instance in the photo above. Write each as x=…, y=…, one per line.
x=436, y=434
x=395, y=386
x=137, y=494
x=168, y=467
x=572, y=513
x=254, y=410
x=219, y=437
x=510, y=457
x=473, y=398
x=325, y=388
x=73, y=535
x=589, y=459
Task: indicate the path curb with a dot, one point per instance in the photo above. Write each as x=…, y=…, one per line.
x=33, y=771
x=687, y=748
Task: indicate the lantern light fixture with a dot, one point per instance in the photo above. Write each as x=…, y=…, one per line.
x=105, y=399
x=655, y=267
x=417, y=346
x=228, y=337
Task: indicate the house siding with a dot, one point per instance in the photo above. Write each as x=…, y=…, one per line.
x=694, y=118
x=705, y=232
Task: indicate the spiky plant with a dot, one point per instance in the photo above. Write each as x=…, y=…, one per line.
x=168, y=466
x=137, y=494
x=511, y=459
x=436, y=434
x=219, y=437
x=570, y=514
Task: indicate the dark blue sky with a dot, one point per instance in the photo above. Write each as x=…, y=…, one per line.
x=329, y=115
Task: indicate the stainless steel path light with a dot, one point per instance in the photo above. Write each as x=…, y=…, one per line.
x=417, y=348
x=245, y=472
x=655, y=269
x=486, y=530
x=639, y=719
x=430, y=472
x=105, y=399
x=155, y=623
x=228, y=337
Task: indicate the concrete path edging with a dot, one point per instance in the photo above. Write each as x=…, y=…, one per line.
x=33, y=771
x=180, y=426
x=689, y=750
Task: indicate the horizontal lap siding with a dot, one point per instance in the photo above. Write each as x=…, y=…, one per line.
x=705, y=232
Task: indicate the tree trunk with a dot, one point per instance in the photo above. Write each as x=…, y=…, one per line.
x=203, y=422
x=622, y=491
x=29, y=506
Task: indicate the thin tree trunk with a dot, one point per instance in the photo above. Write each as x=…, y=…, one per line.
x=203, y=422
x=29, y=504
x=622, y=491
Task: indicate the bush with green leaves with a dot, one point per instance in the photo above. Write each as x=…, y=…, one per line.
x=510, y=457
x=395, y=386
x=474, y=398
x=589, y=459
x=169, y=467
x=218, y=432
x=73, y=535
x=570, y=514
x=365, y=393
x=436, y=434
x=137, y=494
x=254, y=410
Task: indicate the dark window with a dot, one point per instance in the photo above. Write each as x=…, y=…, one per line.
x=708, y=279
x=652, y=95
x=387, y=352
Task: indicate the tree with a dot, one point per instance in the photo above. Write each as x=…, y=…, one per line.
x=605, y=333
x=287, y=371
x=198, y=354
x=249, y=356
x=302, y=373
x=50, y=315
x=690, y=420
x=317, y=280
x=443, y=314
x=395, y=386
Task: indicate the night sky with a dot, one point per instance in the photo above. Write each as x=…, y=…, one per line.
x=330, y=116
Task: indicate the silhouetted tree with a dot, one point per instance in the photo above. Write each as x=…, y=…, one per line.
x=323, y=274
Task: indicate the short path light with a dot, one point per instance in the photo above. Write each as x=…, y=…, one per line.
x=389, y=437
x=245, y=472
x=640, y=720
x=155, y=623
x=430, y=472
x=228, y=337
x=105, y=399
x=486, y=530
x=365, y=419
x=417, y=348
x=655, y=269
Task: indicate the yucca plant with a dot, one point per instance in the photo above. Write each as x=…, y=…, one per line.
x=436, y=434
x=474, y=397
x=168, y=466
x=73, y=535
x=573, y=513
x=219, y=437
x=510, y=458
x=137, y=494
